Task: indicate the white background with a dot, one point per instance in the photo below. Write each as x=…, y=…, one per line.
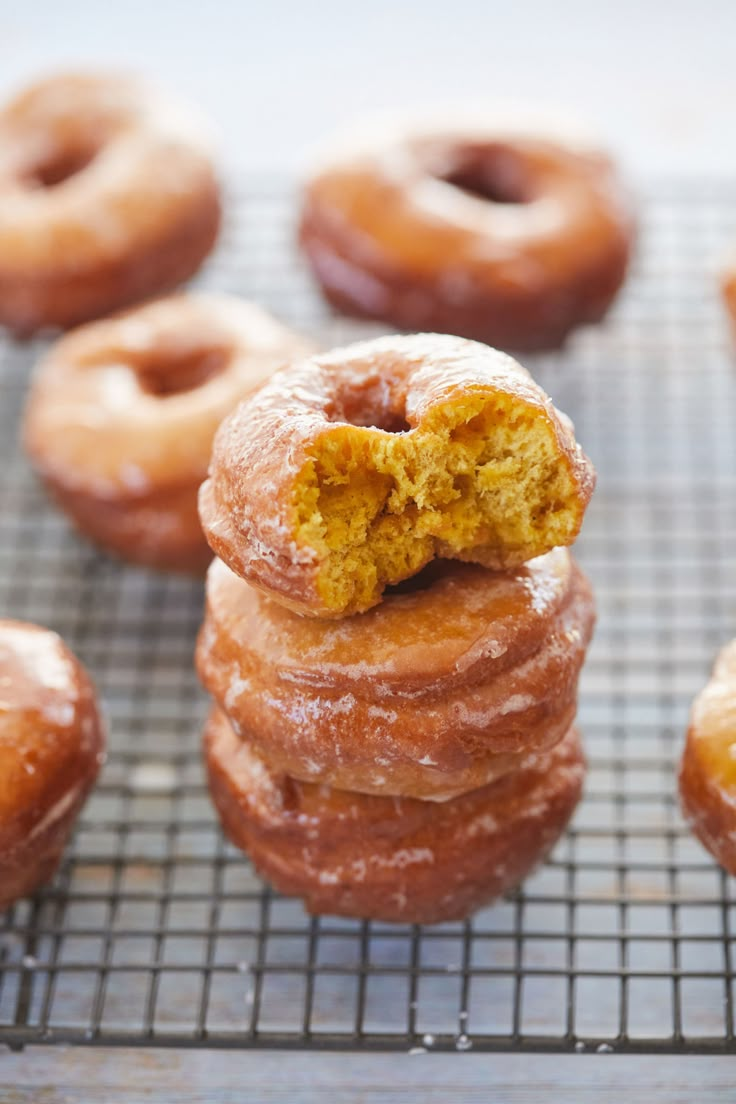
x=656, y=79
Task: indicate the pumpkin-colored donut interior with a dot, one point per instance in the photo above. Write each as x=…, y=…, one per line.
x=377, y=505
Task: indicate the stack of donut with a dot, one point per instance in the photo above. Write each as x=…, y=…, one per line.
x=395, y=627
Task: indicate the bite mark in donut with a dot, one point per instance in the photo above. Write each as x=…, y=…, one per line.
x=375, y=458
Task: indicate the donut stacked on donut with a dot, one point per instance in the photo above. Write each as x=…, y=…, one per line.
x=510, y=233
x=51, y=749
x=440, y=689
x=391, y=859
x=122, y=412
x=108, y=195
x=352, y=470
x=395, y=629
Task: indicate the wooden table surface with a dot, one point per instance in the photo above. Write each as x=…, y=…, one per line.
x=97, y=1076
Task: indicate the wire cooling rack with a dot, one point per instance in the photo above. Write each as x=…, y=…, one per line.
x=155, y=932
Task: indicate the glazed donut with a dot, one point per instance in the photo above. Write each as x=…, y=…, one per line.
x=392, y=859
x=433, y=693
x=510, y=235
x=51, y=749
x=107, y=196
x=349, y=471
x=122, y=413
x=708, y=769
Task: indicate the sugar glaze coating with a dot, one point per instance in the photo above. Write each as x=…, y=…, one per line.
x=435, y=692
x=108, y=195
x=510, y=234
x=122, y=413
x=51, y=749
x=393, y=859
x=708, y=768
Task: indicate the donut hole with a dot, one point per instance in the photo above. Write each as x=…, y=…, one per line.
x=166, y=376
x=371, y=406
x=388, y=421
x=495, y=174
x=486, y=473
x=59, y=166
x=393, y=422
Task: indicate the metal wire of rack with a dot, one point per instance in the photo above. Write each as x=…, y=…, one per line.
x=155, y=932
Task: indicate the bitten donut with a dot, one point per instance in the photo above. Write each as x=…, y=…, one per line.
x=435, y=692
x=708, y=769
x=351, y=470
x=107, y=196
x=513, y=236
x=51, y=749
x=393, y=859
x=122, y=413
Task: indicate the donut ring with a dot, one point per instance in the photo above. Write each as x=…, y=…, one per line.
x=433, y=693
x=51, y=749
x=122, y=413
x=107, y=196
x=350, y=471
x=503, y=234
x=708, y=769
x=392, y=859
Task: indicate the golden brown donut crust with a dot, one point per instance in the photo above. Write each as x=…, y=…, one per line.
x=351, y=470
x=392, y=859
x=122, y=413
x=107, y=196
x=395, y=229
x=433, y=693
x=51, y=750
x=708, y=768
